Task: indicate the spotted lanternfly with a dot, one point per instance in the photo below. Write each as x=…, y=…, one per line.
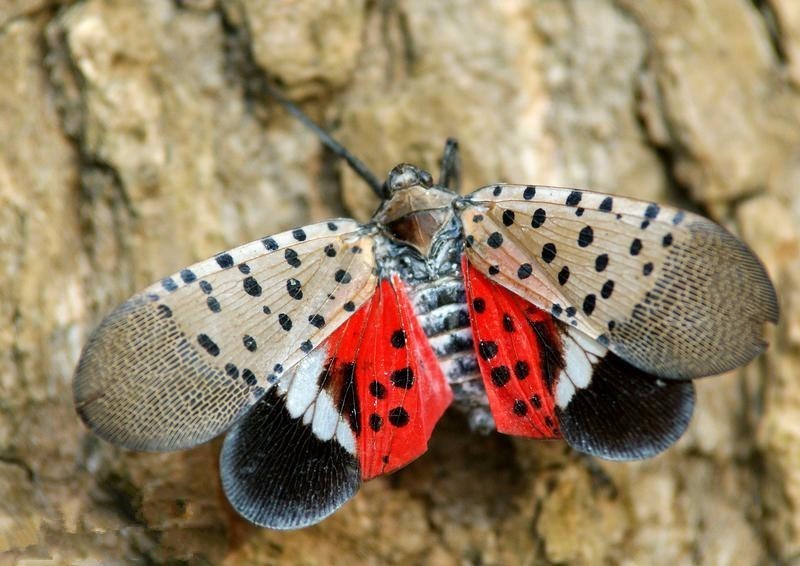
x=329, y=352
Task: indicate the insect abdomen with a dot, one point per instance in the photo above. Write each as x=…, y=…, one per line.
x=444, y=316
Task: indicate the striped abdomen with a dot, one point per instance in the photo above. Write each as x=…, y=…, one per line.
x=444, y=316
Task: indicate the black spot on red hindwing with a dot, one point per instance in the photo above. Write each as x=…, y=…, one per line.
x=500, y=375
x=348, y=396
x=551, y=358
x=520, y=408
x=403, y=378
x=398, y=338
x=399, y=417
x=377, y=390
x=487, y=349
x=508, y=323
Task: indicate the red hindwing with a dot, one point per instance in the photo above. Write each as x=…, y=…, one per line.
x=398, y=391
x=518, y=347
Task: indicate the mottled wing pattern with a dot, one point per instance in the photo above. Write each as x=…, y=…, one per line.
x=362, y=404
x=662, y=288
x=518, y=350
x=178, y=363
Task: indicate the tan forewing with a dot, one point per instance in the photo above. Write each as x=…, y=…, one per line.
x=667, y=290
x=176, y=364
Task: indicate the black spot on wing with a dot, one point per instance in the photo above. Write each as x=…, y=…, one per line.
x=225, y=261
x=625, y=413
x=347, y=397
x=551, y=359
x=573, y=198
x=272, y=483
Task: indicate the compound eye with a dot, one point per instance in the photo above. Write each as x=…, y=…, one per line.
x=425, y=179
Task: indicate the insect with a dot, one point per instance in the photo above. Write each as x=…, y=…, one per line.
x=328, y=352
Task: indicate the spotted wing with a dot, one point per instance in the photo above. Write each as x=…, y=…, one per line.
x=399, y=390
x=545, y=379
x=518, y=351
x=662, y=288
x=177, y=364
x=363, y=403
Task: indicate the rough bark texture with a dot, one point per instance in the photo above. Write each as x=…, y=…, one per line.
x=135, y=138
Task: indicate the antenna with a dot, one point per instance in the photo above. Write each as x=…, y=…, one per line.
x=451, y=166
x=338, y=149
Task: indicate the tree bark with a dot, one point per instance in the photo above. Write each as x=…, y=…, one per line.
x=135, y=138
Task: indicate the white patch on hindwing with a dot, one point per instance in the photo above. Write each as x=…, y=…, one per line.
x=304, y=398
x=300, y=388
x=581, y=354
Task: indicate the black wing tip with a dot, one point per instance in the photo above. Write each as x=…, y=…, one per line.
x=626, y=414
x=274, y=483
